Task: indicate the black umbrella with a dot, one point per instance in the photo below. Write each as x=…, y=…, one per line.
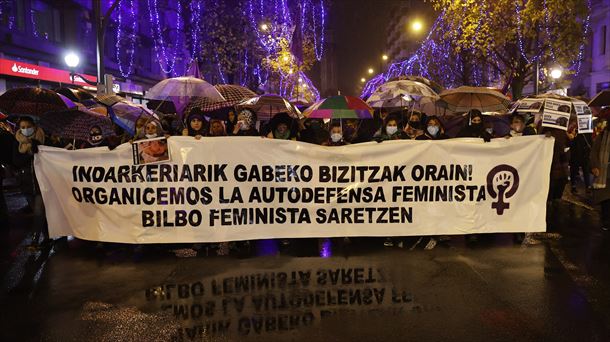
x=33, y=101
x=76, y=95
x=601, y=99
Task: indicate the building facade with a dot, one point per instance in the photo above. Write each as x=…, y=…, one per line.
x=595, y=73
x=402, y=40
x=35, y=35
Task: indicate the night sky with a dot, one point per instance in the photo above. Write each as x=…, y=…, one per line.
x=360, y=29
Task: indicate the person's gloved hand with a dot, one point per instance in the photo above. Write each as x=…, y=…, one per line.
x=34, y=147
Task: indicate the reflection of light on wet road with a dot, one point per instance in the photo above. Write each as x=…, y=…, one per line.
x=325, y=248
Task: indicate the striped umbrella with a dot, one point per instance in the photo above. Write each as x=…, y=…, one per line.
x=465, y=98
x=268, y=105
x=233, y=95
x=339, y=107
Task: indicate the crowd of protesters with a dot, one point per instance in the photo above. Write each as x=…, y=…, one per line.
x=576, y=156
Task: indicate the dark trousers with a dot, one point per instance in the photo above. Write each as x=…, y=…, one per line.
x=556, y=188
x=586, y=174
x=605, y=213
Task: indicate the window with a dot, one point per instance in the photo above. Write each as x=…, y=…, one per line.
x=602, y=45
x=11, y=15
x=45, y=21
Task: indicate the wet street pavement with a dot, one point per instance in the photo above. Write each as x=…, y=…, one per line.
x=555, y=288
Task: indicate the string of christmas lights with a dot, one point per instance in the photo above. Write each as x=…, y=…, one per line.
x=131, y=37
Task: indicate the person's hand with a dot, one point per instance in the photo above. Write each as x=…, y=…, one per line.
x=35, y=144
x=237, y=127
x=595, y=172
x=198, y=137
x=167, y=136
x=508, y=136
x=548, y=134
x=185, y=132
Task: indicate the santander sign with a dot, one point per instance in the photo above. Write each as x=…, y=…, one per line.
x=38, y=72
x=24, y=70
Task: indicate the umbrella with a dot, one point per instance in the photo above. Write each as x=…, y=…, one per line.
x=126, y=113
x=76, y=95
x=268, y=105
x=433, y=85
x=181, y=90
x=233, y=95
x=33, y=101
x=396, y=93
x=465, y=98
x=601, y=99
x=339, y=107
x=75, y=123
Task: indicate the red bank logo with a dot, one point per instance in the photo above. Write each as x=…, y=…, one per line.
x=24, y=70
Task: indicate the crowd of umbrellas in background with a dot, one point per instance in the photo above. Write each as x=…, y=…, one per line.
x=69, y=113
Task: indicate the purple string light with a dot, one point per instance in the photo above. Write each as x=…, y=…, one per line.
x=167, y=63
x=195, y=7
x=131, y=37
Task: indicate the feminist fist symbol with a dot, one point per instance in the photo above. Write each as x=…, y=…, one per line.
x=502, y=183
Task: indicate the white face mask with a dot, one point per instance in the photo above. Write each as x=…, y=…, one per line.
x=150, y=136
x=27, y=131
x=391, y=129
x=433, y=130
x=489, y=130
x=336, y=137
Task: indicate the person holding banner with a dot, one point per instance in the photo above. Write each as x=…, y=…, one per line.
x=434, y=130
x=96, y=139
x=413, y=128
x=195, y=126
x=391, y=131
x=217, y=128
x=244, y=127
x=152, y=130
x=336, y=135
x=280, y=127
x=600, y=156
x=518, y=127
x=29, y=136
x=474, y=128
x=559, y=166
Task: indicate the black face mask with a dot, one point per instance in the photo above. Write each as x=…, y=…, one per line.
x=415, y=124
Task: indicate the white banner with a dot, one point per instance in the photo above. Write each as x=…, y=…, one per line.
x=241, y=188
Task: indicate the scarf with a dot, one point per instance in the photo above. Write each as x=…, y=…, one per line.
x=285, y=136
x=25, y=143
x=604, y=150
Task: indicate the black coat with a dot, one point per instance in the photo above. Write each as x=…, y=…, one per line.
x=580, y=149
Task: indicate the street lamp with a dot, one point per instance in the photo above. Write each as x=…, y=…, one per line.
x=556, y=73
x=371, y=71
x=362, y=80
x=264, y=27
x=72, y=60
x=384, y=57
x=417, y=26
